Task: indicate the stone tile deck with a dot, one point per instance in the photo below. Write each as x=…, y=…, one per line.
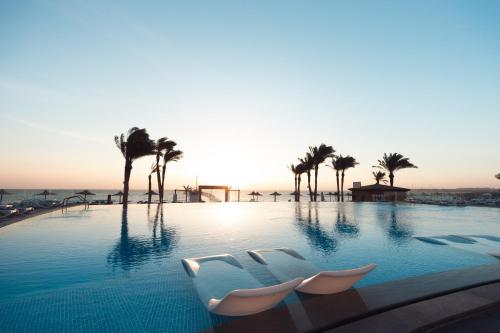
x=419, y=303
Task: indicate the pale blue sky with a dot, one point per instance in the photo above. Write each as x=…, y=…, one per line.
x=246, y=87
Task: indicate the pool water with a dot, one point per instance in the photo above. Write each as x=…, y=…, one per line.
x=102, y=270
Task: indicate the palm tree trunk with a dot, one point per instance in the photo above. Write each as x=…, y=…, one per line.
x=297, y=192
x=309, y=185
x=162, y=181
x=342, y=187
x=149, y=189
x=316, y=168
x=126, y=179
x=391, y=178
x=295, y=188
x=338, y=185
x=158, y=179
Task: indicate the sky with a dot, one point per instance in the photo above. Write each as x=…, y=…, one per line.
x=245, y=87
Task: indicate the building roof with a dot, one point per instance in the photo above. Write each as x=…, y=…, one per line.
x=380, y=187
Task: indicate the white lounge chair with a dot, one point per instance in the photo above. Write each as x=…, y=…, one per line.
x=8, y=212
x=283, y=262
x=218, y=280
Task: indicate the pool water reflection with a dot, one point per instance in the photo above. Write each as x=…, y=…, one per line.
x=108, y=270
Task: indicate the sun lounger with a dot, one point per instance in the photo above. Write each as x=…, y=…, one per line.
x=482, y=244
x=8, y=212
x=283, y=263
x=220, y=279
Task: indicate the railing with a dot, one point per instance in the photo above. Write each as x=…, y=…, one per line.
x=65, y=203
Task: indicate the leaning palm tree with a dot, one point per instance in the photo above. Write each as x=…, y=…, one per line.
x=161, y=145
x=337, y=166
x=308, y=164
x=379, y=177
x=293, y=169
x=394, y=162
x=154, y=168
x=134, y=145
x=300, y=169
x=346, y=162
x=319, y=155
x=170, y=155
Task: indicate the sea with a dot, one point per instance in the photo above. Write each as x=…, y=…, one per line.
x=140, y=195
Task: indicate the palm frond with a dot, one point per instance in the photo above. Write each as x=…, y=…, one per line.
x=394, y=161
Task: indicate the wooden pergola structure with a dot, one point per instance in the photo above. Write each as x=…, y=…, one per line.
x=226, y=189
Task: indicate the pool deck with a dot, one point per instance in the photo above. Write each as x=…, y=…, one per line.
x=13, y=219
x=39, y=211
x=424, y=303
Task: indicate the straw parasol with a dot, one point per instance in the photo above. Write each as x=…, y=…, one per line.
x=151, y=192
x=257, y=194
x=85, y=193
x=275, y=194
x=2, y=193
x=45, y=193
x=253, y=194
x=119, y=194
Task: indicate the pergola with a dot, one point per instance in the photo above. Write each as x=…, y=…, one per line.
x=226, y=189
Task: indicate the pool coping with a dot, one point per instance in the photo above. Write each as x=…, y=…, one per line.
x=322, y=313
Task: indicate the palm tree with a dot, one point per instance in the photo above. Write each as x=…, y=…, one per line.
x=293, y=168
x=300, y=168
x=162, y=145
x=319, y=155
x=379, y=176
x=346, y=162
x=394, y=162
x=307, y=164
x=336, y=165
x=187, y=189
x=135, y=145
x=170, y=155
x=154, y=168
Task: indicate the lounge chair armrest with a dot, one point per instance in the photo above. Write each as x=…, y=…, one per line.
x=192, y=265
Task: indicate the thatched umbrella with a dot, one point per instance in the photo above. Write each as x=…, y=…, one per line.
x=253, y=194
x=275, y=194
x=2, y=193
x=149, y=194
x=257, y=194
x=85, y=193
x=119, y=194
x=45, y=193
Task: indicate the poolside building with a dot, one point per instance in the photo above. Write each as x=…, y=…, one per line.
x=377, y=192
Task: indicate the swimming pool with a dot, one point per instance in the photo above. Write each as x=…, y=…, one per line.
x=100, y=270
